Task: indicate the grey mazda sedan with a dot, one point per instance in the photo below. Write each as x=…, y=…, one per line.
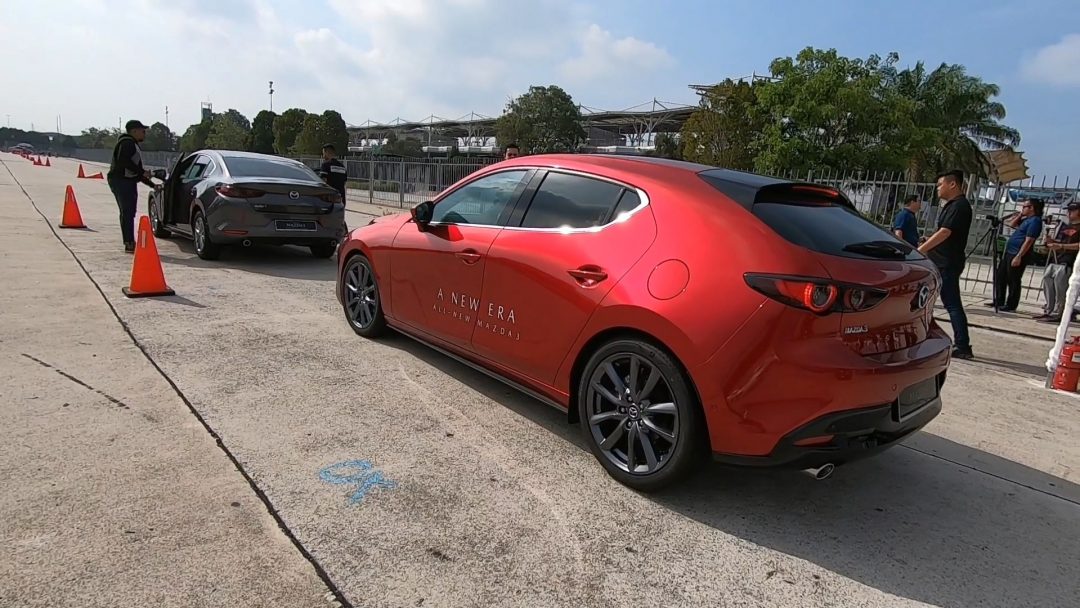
x=219, y=198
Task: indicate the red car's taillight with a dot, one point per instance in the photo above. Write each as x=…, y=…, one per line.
x=238, y=192
x=819, y=296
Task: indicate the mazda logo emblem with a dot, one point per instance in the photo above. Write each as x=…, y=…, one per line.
x=294, y=195
x=923, y=298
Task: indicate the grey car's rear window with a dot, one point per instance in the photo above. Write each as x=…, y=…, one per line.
x=257, y=167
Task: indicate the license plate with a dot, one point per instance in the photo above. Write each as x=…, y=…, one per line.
x=913, y=398
x=296, y=225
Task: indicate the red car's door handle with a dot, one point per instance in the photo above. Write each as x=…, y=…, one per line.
x=587, y=276
x=469, y=256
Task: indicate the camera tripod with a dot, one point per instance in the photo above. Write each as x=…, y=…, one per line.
x=994, y=232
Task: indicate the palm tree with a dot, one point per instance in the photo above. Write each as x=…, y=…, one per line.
x=953, y=120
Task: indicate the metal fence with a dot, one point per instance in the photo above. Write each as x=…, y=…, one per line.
x=879, y=197
x=405, y=182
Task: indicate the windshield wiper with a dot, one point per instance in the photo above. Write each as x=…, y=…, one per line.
x=880, y=249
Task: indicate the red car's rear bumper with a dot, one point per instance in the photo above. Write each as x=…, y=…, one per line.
x=775, y=400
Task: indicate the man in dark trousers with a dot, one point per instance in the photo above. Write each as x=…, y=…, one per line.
x=1027, y=227
x=946, y=249
x=333, y=173
x=125, y=172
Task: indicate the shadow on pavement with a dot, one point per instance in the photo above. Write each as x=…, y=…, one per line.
x=285, y=262
x=930, y=520
x=1025, y=369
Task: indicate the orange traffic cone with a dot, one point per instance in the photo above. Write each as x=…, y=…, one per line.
x=147, y=278
x=81, y=172
x=47, y=163
x=72, y=218
x=97, y=175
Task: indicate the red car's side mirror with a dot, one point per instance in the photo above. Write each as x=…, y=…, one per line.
x=422, y=213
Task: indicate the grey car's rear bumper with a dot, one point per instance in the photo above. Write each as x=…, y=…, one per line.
x=231, y=224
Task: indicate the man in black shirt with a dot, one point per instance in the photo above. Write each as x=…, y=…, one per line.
x=333, y=173
x=946, y=249
x=333, y=170
x=125, y=172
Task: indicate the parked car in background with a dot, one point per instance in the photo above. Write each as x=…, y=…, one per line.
x=224, y=198
x=673, y=309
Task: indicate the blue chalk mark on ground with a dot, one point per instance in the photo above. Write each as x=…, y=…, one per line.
x=356, y=472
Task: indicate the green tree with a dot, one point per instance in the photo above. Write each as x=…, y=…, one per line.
x=287, y=128
x=543, y=120
x=953, y=120
x=98, y=138
x=724, y=130
x=226, y=134
x=159, y=137
x=309, y=142
x=195, y=137
x=333, y=130
x=262, y=132
x=238, y=119
x=823, y=110
x=667, y=145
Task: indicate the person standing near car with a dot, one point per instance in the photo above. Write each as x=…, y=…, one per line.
x=333, y=170
x=946, y=249
x=125, y=173
x=1063, y=246
x=1027, y=226
x=335, y=175
x=906, y=224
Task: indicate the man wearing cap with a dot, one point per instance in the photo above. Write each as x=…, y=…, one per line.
x=125, y=172
x=1063, y=246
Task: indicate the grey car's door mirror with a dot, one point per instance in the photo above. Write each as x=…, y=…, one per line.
x=422, y=213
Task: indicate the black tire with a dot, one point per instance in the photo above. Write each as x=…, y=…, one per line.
x=676, y=440
x=204, y=247
x=358, y=281
x=323, y=252
x=158, y=228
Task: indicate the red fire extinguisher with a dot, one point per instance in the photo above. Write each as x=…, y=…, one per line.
x=1067, y=375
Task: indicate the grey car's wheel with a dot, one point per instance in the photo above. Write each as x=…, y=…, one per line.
x=204, y=247
x=639, y=415
x=361, y=298
x=156, y=226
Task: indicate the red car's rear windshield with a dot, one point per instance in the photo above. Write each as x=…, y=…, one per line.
x=824, y=226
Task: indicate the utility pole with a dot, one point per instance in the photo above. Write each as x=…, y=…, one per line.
x=271, y=95
x=9, y=121
x=166, y=117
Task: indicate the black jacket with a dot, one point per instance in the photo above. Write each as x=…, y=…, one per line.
x=127, y=161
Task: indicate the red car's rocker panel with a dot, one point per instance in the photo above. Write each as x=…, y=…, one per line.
x=780, y=327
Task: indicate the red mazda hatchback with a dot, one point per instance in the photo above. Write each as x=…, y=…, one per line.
x=673, y=309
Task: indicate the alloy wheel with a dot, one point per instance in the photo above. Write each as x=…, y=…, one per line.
x=200, y=233
x=632, y=413
x=361, y=295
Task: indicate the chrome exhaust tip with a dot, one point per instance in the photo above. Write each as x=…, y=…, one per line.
x=822, y=472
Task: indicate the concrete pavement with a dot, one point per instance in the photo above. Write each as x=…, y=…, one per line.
x=484, y=497
x=113, y=492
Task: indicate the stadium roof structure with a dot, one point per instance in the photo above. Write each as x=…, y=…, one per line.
x=634, y=123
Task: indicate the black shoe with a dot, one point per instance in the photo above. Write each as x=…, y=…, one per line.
x=1006, y=310
x=129, y=247
x=966, y=354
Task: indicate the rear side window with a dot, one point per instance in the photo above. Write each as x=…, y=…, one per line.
x=257, y=167
x=831, y=229
x=571, y=201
